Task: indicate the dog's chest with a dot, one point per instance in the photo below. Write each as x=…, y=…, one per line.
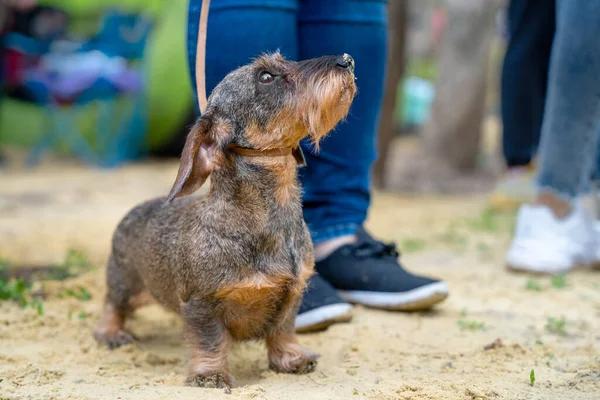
x=268, y=280
x=253, y=305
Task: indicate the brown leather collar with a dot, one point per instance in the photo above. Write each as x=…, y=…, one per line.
x=277, y=152
x=245, y=151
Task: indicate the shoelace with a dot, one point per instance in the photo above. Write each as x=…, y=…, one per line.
x=374, y=249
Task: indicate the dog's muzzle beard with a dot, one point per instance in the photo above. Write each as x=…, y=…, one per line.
x=326, y=98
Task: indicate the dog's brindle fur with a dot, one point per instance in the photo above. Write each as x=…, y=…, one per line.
x=234, y=262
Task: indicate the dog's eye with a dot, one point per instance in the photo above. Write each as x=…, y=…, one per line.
x=265, y=77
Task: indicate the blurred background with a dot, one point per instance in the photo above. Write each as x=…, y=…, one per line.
x=96, y=104
x=105, y=82
x=102, y=81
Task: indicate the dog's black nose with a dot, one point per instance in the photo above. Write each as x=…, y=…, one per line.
x=345, y=61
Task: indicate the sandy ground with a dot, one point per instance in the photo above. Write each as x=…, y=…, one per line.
x=379, y=355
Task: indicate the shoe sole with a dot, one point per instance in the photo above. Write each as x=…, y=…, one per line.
x=520, y=269
x=322, y=317
x=520, y=264
x=419, y=299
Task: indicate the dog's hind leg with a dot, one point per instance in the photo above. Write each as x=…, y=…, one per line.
x=125, y=293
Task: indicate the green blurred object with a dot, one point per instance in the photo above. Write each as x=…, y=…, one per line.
x=415, y=92
x=85, y=7
x=425, y=68
x=169, y=87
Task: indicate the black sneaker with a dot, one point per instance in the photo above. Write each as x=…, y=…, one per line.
x=368, y=273
x=321, y=307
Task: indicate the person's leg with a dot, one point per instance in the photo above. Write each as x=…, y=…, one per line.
x=554, y=234
x=337, y=178
x=530, y=27
x=572, y=122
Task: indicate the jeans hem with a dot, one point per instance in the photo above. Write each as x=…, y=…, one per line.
x=544, y=188
x=334, y=231
x=518, y=163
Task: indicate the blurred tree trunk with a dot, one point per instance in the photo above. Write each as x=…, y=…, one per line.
x=397, y=12
x=451, y=138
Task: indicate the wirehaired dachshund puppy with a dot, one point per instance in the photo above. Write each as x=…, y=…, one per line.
x=233, y=263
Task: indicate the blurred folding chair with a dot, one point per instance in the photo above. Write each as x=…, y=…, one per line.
x=109, y=73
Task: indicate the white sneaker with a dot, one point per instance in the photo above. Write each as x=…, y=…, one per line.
x=546, y=244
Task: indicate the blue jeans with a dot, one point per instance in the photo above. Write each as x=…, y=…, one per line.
x=571, y=126
x=336, y=181
x=531, y=26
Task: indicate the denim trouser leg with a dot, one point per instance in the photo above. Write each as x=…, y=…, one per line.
x=596, y=171
x=336, y=181
x=571, y=127
x=531, y=25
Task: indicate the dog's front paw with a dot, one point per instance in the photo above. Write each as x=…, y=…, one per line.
x=113, y=339
x=293, y=360
x=221, y=380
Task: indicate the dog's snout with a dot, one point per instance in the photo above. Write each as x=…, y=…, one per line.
x=345, y=61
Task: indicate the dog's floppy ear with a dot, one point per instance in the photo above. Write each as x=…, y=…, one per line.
x=201, y=155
